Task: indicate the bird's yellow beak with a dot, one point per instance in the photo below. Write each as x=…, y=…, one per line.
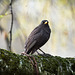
x=46, y=22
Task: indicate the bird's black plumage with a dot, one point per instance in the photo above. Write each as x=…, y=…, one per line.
x=38, y=37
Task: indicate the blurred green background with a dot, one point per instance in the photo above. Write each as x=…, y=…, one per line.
x=29, y=13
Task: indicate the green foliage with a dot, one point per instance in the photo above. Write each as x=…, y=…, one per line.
x=1, y=16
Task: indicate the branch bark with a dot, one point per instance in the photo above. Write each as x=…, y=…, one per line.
x=11, y=9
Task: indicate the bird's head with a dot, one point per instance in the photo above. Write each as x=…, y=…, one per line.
x=45, y=22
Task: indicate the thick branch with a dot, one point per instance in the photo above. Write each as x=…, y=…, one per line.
x=13, y=64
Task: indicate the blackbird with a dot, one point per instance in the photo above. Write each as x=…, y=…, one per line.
x=38, y=37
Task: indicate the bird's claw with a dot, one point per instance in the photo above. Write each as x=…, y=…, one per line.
x=23, y=53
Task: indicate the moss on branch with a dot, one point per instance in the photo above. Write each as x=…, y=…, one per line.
x=14, y=64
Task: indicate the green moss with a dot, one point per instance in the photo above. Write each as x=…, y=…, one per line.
x=14, y=64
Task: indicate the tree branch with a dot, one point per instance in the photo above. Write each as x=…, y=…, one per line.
x=11, y=9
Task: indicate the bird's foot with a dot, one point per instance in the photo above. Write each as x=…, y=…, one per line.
x=24, y=53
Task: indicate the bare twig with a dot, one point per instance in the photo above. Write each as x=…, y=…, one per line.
x=11, y=25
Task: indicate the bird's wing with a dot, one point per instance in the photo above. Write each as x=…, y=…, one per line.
x=32, y=39
x=30, y=44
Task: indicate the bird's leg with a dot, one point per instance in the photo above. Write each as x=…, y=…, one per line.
x=33, y=61
x=42, y=51
x=38, y=53
x=23, y=53
x=44, y=54
x=35, y=66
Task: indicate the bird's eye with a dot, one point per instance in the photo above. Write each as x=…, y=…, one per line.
x=46, y=22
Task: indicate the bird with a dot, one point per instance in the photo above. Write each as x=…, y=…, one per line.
x=38, y=37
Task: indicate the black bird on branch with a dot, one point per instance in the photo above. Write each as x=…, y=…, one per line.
x=38, y=37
